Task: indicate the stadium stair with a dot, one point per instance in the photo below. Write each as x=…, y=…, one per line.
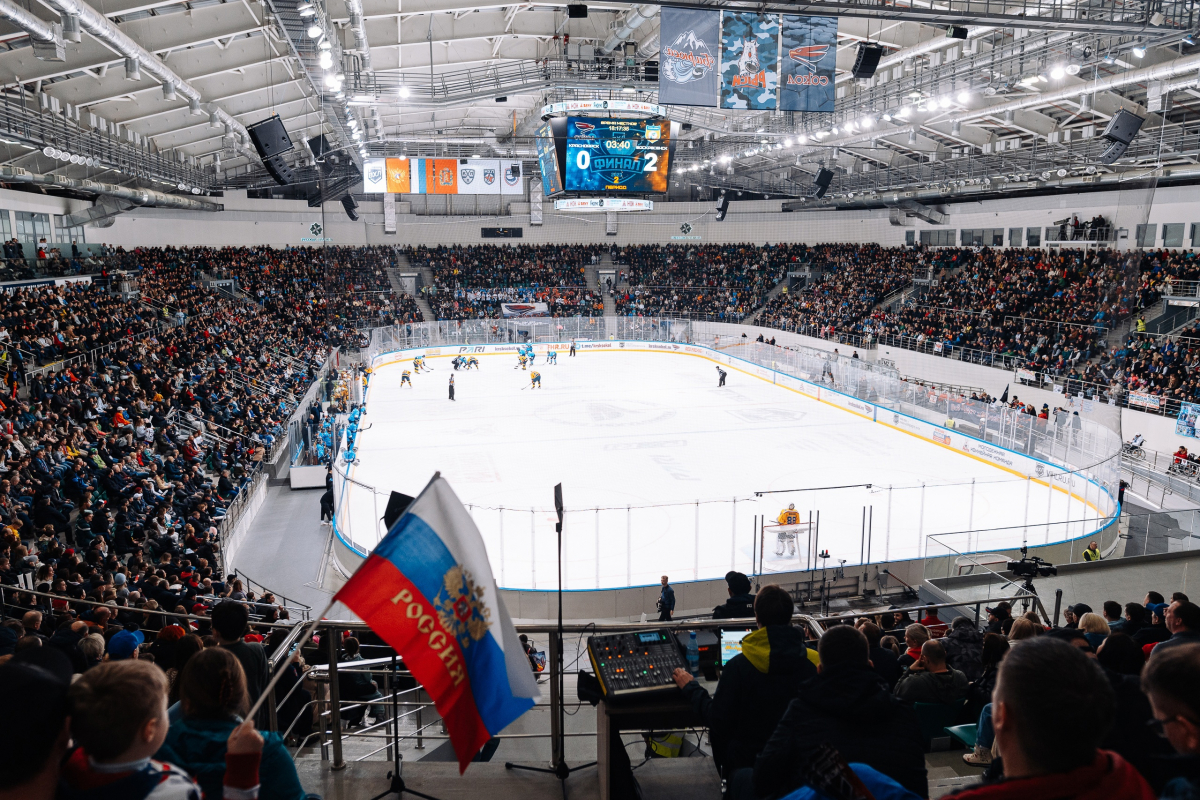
x=403, y=265
x=752, y=319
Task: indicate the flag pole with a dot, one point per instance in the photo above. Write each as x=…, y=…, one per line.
x=312, y=626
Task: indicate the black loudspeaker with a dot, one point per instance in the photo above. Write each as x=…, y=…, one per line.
x=1123, y=127
x=516, y=170
x=395, y=508
x=280, y=170
x=821, y=191
x=722, y=207
x=270, y=138
x=1112, y=153
x=577, y=11
x=350, y=204
x=650, y=70
x=956, y=32
x=866, y=62
x=824, y=178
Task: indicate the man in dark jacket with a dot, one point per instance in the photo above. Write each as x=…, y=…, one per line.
x=1056, y=754
x=740, y=602
x=1183, y=621
x=755, y=686
x=847, y=707
x=964, y=648
x=1000, y=618
x=885, y=663
x=930, y=680
x=1156, y=629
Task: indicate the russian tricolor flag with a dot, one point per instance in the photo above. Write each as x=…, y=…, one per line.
x=427, y=589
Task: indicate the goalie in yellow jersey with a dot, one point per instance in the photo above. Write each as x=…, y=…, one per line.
x=789, y=521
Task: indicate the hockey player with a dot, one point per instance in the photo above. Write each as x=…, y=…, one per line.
x=521, y=360
x=530, y=354
x=472, y=362
x=721, y=379
x=789, y=518
x=536, y=378
x=456, y=362
x=552, y=357
x=405, y=377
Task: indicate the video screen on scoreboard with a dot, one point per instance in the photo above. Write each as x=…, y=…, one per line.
x=548, y=161
x=617, y=155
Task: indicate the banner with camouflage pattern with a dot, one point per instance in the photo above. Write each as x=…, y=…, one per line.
x=809, y=63
x=749, y=60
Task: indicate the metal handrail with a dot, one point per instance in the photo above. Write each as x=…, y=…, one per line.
x=73, y=601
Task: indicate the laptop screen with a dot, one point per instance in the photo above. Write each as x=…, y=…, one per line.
x=731, y=644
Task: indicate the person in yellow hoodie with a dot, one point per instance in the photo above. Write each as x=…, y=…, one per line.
x=756, y=686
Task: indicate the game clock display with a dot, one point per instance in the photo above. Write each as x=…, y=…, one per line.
x=617, y=155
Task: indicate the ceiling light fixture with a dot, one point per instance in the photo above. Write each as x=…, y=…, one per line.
x=1139, y=51
x=964, y=97
x=325, y=59
x=1073, y=69
x=404, y=92
x=324, y=44
x=314, y=31
x=1057, y=72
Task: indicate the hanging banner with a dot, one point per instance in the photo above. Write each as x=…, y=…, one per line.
x=687, y=73
x=749, y=60
x=1143, y=400
x=1185, y=423
x=478, y=176
x=389, y=213
x=374, y=176
x=441, y=175
x=809, y=63
x=511, y=181
x=398, y=176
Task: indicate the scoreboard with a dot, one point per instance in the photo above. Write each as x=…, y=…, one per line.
x=617, y=155
x=601, y=155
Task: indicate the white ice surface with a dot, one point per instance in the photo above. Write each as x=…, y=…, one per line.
x=643, y=437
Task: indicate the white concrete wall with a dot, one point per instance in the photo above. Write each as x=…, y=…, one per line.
x=288, y=222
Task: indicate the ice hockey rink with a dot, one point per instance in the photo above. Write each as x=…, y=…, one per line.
x=660, y=466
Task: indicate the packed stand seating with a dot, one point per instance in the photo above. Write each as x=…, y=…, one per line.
x=348, y=286
x=1047, y=311
x=472, y=281
x=1163, y=366
x=46, y=324
x=858, y=277
x=459, y=304
x=725, y=280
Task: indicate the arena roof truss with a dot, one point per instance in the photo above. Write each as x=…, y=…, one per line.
x=157, y=94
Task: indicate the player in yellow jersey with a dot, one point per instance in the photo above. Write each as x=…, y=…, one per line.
x=521, y=360
x=790, y=518
x=405, y=377
x=473, y=362
x=536, y=379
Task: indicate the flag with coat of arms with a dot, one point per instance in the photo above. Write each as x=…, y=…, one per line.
x=427, y=589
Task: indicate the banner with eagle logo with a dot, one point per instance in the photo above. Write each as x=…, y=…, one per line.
x=427, y=589
x=749, y=60
x=809, y=63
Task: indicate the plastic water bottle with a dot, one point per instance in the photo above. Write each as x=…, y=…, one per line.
x=693, y=655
